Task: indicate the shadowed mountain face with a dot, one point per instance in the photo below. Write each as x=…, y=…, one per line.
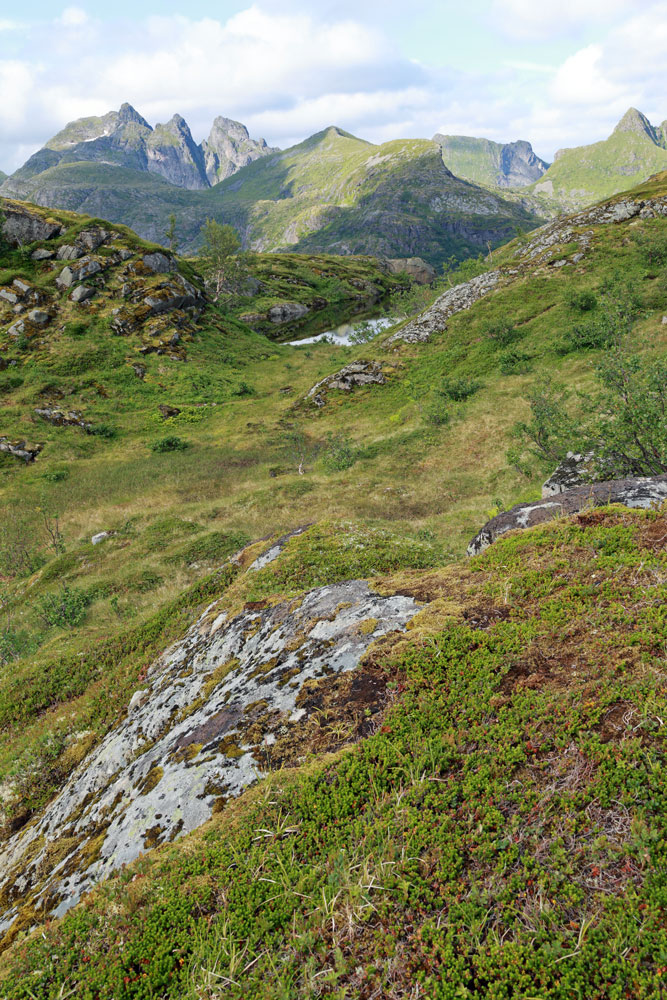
x=124, y=139
x=491, y=164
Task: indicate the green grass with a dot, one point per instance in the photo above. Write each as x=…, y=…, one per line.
x=415, y=494
x=502, y=835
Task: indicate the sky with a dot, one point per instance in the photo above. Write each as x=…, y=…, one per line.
x=555, y=72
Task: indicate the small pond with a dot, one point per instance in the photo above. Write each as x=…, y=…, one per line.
x=357, y=332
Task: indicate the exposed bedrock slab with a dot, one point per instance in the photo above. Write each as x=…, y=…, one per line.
x=643, y=492
x=455, y=300
x=200, y=730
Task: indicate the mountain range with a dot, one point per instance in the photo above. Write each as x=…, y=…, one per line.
x=334, y=192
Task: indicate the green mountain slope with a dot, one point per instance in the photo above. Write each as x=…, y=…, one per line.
x=632, y=153
x=339, y=193
x=480, y=811
x=491, y=164
x=332, y=192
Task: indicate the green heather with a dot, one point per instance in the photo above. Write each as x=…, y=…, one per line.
x=501, y=832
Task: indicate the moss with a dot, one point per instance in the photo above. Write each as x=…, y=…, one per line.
x=151, y=780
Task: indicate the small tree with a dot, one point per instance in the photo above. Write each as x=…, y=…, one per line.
x=170, y=235
x=220, y=242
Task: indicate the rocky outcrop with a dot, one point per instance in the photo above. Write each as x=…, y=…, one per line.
x=235, y=698
x=482, y=161
x=287, y=312
x=352, y=376
x=417, y=269
x=456, y=299
x=62, y=418
x=643, y=492
x=228, y=148
x=19, y=449
x=21, y=226
x=574, y=470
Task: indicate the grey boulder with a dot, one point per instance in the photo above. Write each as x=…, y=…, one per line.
x=642, y=492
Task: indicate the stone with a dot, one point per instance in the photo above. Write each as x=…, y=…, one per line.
x=185, y=744
x=416, y=269
x=139, y=370
x=125, y=254
x=19, y=449
x=77, y=271
x=101, y=536
x=69, y=252
x=641, y=492
x=664, y=320
x=22, y=287
x=573, y=471
x=38, y=317
x=434, y=319
x=61, y=418
x=20, y=226
x=159, y=263
x=287, y=312
x=7, y=295
x=82, y=293
x=17, y=330
x=352, y=376
x=41, y=254
x=91, y=239
x=168, y=411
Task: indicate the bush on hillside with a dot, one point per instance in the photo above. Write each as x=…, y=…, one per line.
x=171, y=443
x=624, y=423
x=65, y=609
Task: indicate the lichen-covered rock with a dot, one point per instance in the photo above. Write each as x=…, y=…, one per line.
x=224, y=705
x=574, y=470
x=69, y=251
x=20, y=226
x=642, y=492
x=352, y=376
x=456, y=299
x=82, y=293
x=61, y=418
x=77, y=271
x=19, y=449
x=159, y=263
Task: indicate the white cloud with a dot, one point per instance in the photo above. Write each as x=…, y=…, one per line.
x=73, y=17
x=544, y=19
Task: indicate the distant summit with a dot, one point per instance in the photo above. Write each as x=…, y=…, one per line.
x=491, y=164
x=124, y=138
x=634, y=151
x=634, y=121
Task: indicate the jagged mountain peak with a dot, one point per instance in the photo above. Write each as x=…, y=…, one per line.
x=124, y=138
x=635, y=121
x=127, y=114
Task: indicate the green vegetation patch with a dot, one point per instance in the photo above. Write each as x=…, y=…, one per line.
x=502, y=835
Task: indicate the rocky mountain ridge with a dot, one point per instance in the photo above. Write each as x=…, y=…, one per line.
x=492, y=164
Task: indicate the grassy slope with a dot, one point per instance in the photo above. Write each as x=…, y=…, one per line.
x=177, y=513
x=588, y=174
x=501, y=835
x=320, y=194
